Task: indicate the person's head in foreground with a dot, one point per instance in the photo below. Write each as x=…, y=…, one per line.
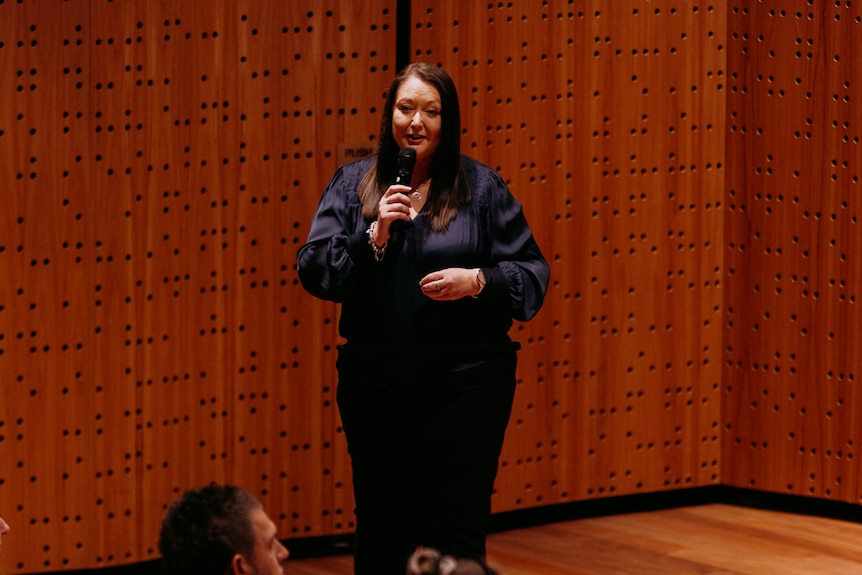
x=4, y=529
x=219, y=530
x=427, y=561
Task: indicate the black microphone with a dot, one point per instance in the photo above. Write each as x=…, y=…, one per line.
x=406, y=161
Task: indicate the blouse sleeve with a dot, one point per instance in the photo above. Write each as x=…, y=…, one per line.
x=337, y=247
x=518, y=278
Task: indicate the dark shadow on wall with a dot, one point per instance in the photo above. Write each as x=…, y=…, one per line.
x=402, y=34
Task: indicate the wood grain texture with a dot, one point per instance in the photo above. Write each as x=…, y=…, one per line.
x=791, y=401
x=162, y=161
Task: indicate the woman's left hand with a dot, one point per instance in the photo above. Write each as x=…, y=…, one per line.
x=450, y=284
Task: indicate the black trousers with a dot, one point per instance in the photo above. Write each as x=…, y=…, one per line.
x=424, y=454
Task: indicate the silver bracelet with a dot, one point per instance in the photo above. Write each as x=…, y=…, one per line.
x=379, y=251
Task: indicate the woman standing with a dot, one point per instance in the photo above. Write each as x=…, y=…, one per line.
x=431, y=275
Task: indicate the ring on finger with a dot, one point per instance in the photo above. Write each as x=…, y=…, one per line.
x=439, y=287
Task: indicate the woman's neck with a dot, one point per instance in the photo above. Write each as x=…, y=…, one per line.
x=421, y=173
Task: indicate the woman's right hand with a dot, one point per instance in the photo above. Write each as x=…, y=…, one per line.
x=394, y=205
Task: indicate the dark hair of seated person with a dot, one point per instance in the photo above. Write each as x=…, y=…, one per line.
x=205, y=528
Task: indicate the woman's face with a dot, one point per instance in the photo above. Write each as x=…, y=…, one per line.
x=416, y=118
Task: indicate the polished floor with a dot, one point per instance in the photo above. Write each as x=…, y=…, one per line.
x=712, y=539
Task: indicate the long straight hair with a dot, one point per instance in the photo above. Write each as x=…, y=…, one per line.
x=449, y=188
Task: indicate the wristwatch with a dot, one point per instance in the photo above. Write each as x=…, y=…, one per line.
x=480, y=280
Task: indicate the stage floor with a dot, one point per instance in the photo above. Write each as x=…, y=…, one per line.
x=715, y=539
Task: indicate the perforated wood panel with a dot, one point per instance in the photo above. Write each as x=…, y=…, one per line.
x=161, y=162
x=607, y=120
x=791, y=398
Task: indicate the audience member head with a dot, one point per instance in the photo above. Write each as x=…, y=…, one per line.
x=4, y=529
x=426, y=561
x=219, y=530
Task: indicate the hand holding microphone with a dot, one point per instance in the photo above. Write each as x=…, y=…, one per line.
x=395, y=203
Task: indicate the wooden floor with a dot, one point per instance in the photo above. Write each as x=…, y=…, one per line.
x=714, y=539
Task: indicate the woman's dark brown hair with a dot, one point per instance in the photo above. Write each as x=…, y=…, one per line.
x=448, y=185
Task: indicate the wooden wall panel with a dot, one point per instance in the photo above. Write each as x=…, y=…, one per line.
x=162, y=161
x=607, y=120
x=47, y=422
x=791, y=400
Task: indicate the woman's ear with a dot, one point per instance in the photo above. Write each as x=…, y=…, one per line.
x=239, y=565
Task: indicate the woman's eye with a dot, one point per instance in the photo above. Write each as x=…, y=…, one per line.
x=432, y=112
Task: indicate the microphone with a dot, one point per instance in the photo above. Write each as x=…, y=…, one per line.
x=406, y=161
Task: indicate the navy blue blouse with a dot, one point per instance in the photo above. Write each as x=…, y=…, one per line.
x=382, y=301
